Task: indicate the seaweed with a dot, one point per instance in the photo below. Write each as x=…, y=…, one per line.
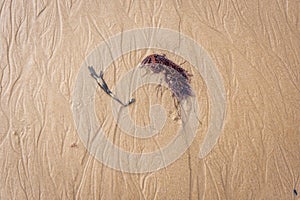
x=177, y=78
x=100, y=80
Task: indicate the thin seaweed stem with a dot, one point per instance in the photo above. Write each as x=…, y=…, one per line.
x=101, y=82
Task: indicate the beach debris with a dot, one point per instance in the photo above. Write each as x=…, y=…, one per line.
x=101, y=82
x=177, y=78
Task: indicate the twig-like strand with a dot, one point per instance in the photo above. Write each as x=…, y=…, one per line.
x=104, y=87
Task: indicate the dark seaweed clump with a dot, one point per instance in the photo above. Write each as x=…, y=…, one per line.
x=177, y=78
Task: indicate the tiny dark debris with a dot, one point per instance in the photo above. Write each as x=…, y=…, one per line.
x=74, y=145
x=295, y=192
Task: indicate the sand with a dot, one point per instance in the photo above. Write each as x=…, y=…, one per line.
x=62, y=137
